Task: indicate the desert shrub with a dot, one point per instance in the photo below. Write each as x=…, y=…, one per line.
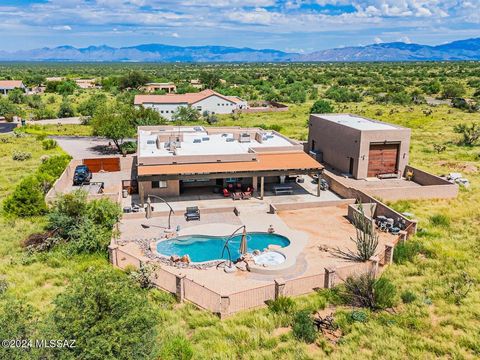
x=440, y=220
x=143, y=276
x=49, y=144
x=54, y=166
x=17, y=322
x=108, y=315
x=282, y=305
x=470, y=133
x=67, y=211
x=88, y=238
x=303, y=327
x=129, y=147
x=103, y=212
x=408, y=297
x=406, y=251
x=27, y=199
x=66, y=109
x=86, y=226
x=3, y=286
x=21, y=155
x=321, y=107
x=176, y=348
x=342, y=94
x=367, y=291
x=274, y=127
x=358, y=316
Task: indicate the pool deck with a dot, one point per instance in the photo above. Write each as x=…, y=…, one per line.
x=311, y=231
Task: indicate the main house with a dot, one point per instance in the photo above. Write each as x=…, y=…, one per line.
x=206, y=100
x=177, y=160
x=358, y=146
x=7, y=85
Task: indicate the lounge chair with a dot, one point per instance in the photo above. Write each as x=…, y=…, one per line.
x=236, y=195
x=226, y=193
x=247, y=194
x=192, y=213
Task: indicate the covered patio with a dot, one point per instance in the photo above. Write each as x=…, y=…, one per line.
x=271, y=172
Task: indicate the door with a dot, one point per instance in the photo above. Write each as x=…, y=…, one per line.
x=382, y=159
x=350, y=167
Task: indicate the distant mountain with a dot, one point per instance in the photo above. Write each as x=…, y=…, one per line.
x=396, y=51
x=149, y=53
x=399, y=51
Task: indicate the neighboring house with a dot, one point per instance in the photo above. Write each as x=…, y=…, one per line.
x=177, y=160
x=7, y=85
x=206, y=100
x=167, y=87
x=55, y=78
x=358, y=146
x=86, y=83
x=196, y=83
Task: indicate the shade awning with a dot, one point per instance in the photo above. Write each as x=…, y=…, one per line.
x=265, y=162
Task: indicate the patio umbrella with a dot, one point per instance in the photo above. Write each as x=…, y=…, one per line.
x=243, y=243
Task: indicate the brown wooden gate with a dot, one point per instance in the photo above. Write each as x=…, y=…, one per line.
x=382, y=159
x=103, y=164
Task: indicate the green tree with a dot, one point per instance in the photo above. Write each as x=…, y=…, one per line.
x=143, y=116
x=66, y=109
x=17, y=322
x=110, y=121
x=185, y=114
x=108, y=315
x=321, y=107
x=209, y=79
x=453, y=90
x=66, y=87
x=8, y=109
x=90, y=106
x=28, y=198
x=133, y=80
x=16, y=96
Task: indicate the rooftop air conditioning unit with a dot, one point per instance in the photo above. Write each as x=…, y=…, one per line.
x=197, y=141
x=244, y=138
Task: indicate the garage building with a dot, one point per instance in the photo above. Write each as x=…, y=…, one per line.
x=358, y=146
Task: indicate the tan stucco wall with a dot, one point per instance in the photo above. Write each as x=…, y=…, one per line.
x=339, y=143
x=172, y=189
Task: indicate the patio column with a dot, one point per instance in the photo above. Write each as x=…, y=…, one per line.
x=255, y=183
x=262, y=183
x=318, y=184
x=141, y=193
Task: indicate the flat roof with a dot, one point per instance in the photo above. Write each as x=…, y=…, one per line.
x=265, y=162
x=197, y=141
x=356, y=122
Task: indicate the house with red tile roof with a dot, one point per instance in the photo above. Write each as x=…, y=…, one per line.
x=7, y=85
x=206, y=100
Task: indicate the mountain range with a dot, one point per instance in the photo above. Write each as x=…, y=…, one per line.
x=468, y=49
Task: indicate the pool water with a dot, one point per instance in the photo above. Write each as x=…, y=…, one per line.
x=202, y=248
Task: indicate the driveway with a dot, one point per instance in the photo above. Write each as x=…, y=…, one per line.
x=86, y=147
x=6, y=127
x=64, y=121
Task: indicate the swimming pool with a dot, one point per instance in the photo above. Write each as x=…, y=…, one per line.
x=203, y=248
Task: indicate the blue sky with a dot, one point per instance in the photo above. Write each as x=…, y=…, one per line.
x=292, y=25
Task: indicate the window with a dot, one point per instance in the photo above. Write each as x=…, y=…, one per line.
x=159, y=184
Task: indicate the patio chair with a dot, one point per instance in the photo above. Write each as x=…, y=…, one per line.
x=236, y=195
x=192, y=213
x=226, y=193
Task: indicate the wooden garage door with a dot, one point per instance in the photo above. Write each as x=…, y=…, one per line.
x=103, y=164
x=382, y=159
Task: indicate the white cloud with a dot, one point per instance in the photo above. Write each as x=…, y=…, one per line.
x=377, y=40
x=62, y=27
x=175, y=35
x=405, y=39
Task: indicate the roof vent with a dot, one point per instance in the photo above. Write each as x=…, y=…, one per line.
x=230, y=139
x=197, y=141
x=206, y=138
x=197, y=128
